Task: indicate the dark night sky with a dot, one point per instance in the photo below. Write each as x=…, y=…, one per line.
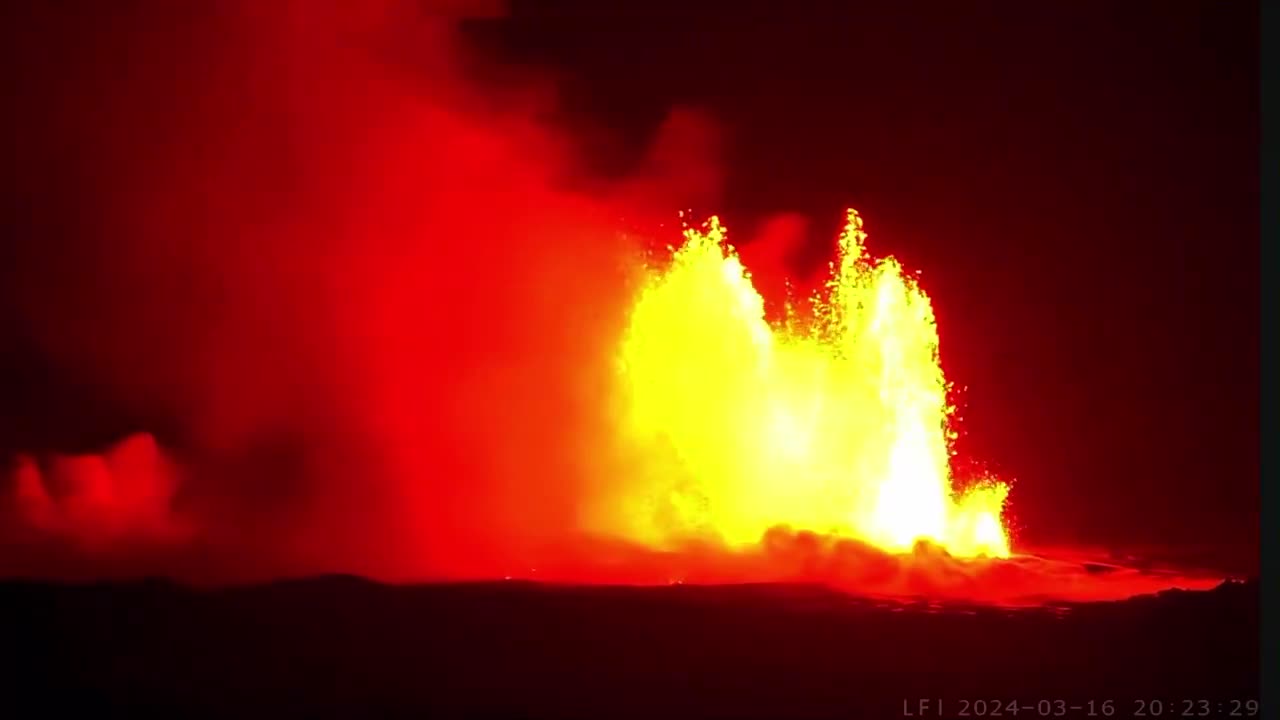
x=1077, y=182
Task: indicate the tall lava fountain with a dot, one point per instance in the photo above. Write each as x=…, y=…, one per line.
x=833, y=421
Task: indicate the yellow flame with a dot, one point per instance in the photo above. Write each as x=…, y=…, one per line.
x=837, y=423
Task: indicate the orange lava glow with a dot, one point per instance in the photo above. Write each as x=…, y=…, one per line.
x=832, y=421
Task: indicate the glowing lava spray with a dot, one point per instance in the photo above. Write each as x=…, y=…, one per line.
x=835, y=420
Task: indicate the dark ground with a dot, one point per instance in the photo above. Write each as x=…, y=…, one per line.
x=344, y=647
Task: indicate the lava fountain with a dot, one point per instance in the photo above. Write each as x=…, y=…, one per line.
x=834, y=420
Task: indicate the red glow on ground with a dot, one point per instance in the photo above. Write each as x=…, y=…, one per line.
x=94, y=517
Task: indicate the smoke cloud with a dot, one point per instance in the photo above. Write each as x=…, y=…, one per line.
x=353, y=283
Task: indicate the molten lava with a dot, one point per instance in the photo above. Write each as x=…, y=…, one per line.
x=833, y=421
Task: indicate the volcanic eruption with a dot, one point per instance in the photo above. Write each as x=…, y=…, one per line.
x=369, y=358
x=834, y=420
x=372, y=318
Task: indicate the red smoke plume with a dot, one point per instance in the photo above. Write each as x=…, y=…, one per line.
x=352, y=280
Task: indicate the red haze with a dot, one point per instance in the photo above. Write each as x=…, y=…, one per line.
x=352, y=281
